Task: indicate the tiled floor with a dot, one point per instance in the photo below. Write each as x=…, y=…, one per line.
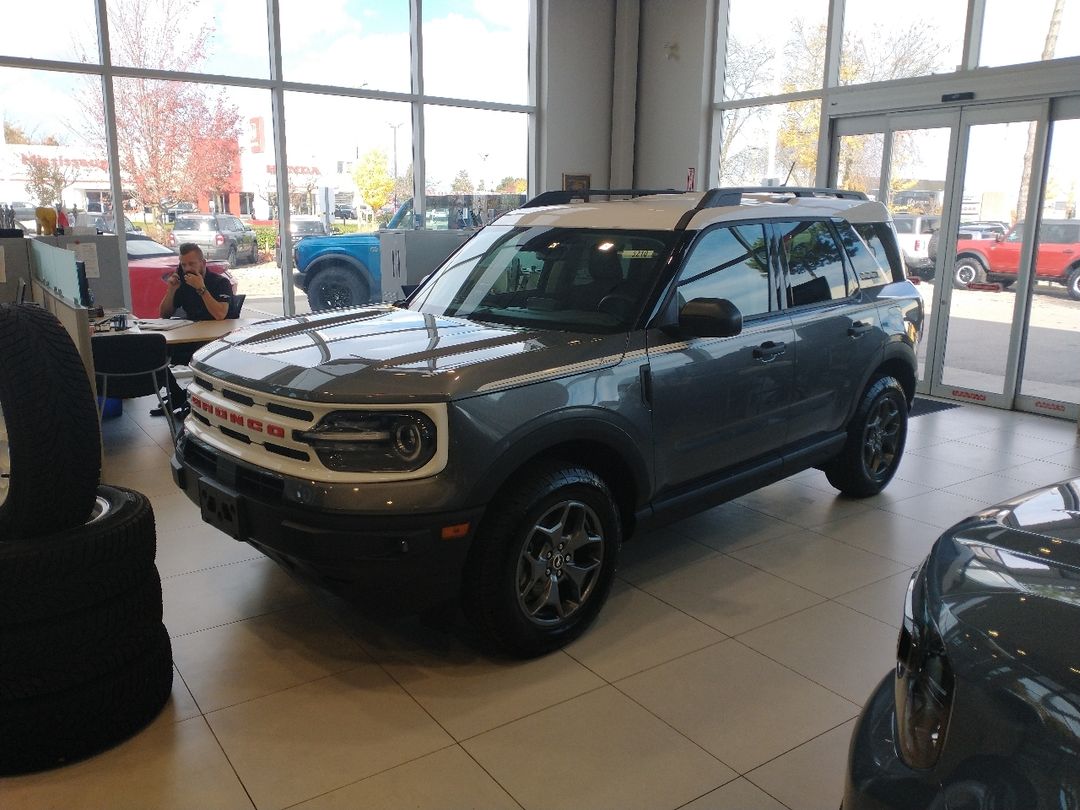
x=725, y=671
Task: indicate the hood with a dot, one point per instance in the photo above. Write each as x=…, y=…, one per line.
x=382, y=353
x=1011, y=576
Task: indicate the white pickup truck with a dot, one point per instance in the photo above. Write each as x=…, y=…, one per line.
x=913, y=233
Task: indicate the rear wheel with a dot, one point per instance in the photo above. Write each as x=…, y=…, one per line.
x=543, y=560
x=232, y=256
x=968, y=271
x=875, y=442
x=337, y=286
x=253, y=257
x=1072, y=284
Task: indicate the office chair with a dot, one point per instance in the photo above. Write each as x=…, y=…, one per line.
x=236, y=303
x=129, y=366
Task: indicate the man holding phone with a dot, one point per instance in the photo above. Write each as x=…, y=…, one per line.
x=202, y=296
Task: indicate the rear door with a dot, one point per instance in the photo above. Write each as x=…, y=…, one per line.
x=1058, y=248
x=722, y=402
x=838, y=334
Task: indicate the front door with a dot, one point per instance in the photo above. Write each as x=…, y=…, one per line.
x=720, y=402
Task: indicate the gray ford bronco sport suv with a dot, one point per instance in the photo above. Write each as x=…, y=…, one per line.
x=579, y=370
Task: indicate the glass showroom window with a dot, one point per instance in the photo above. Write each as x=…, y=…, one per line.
x=885, y=41
x=479, y=53
x=483, y=153
x=363, y=44
x=766, y=59
x=226, y=37
x=67, y=30
x=52, y=151
x=360, y=164
x=771, y=145
x=1044, y=29
x=858, y=163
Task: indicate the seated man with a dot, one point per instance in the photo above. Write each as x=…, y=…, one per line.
x=200, y=296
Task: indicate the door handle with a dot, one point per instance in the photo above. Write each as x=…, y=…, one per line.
x=769, y=351
x=858, y=329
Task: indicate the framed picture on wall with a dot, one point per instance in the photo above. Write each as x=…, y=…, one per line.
x=576, y=182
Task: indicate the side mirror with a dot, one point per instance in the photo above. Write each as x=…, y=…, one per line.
x=999, y=237
x=710, y=317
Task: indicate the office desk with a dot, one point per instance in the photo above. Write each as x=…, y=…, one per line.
x=183, y=341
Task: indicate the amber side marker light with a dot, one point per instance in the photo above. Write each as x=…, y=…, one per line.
x=455, y=532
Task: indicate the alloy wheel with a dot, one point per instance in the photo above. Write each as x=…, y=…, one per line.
x=881, y=438
x=560, y=562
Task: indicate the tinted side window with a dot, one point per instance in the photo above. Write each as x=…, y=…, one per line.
x=867, y=254
x=730, y=263
x=814, y=263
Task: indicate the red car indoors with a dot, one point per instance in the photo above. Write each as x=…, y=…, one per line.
x=148, y=264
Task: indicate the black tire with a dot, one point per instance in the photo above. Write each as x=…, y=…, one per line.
x=59, y=653
x=231, y=258
x=1072, y=284
x=72, y=570
x=50, y=440
x=58, y=728
x=337, y=286
x=875, y=443
x=522, y=590
x=253, y=257
x=968, y=271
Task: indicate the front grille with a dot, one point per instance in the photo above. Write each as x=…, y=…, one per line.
x=202, y=382
x=243, y=399
x=288, y=452
x=232, y=434
x=292, y=413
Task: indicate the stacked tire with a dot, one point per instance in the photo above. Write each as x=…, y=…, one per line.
x=85, y=660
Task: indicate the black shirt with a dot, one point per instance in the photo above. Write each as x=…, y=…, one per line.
x=191, y=302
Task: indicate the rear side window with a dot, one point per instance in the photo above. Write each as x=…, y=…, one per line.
x=814, y=262
x=730, y=263
x=867, y=254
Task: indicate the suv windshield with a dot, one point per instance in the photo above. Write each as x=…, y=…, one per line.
x=307, y=226
x=570, y=279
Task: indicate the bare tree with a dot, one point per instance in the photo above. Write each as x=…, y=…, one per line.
x=747, y=73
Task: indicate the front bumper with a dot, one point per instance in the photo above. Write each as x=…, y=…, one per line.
x=877, y=779
x=401, y=558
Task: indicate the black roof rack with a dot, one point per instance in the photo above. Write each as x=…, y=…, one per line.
x=719, y=197
x=560, y=197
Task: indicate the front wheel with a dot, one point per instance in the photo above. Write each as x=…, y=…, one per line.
x=875, y=442
x=232, y=256
x=1072, y=284
x=253, y=258
x=968, y=271
x=543, y=561
x=335, y=287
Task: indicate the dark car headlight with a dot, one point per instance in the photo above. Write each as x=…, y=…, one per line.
x=923, y=688
x=373, y=441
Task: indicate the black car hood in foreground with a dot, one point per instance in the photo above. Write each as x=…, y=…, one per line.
x=344, y=355
x=1006, y=583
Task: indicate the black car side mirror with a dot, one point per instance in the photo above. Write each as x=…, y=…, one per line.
x=710, y=317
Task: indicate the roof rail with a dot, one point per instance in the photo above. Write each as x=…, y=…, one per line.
x=560, y=197
x=718, y=197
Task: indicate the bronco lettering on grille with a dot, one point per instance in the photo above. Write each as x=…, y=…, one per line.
x=236, y=418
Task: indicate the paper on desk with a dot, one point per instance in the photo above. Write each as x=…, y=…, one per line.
x=162, y=324
x=87, y=252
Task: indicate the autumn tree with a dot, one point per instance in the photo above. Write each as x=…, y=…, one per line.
x=176, y=139
x=512, y=185
x=372, y=178
x=16, y=134
x=48, y=178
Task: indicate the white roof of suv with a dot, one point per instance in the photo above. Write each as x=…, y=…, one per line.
x=690, y=210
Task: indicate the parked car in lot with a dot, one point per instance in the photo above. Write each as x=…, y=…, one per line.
x=982, y=710
x=968, y=230
x=913, y=232
x=149, y=264
x=1057, y=259
x=571, y=374
x=302, y=226
x=221, y=236
x=176, y=209
x=344, y=212
x=102, y=223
